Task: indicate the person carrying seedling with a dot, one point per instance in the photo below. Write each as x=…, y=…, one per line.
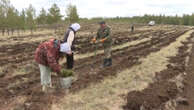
x=70, y=39
x=103, y=36
x=47, y=56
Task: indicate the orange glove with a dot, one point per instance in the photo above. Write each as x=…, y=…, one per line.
x=102, y=40
x=94, y=40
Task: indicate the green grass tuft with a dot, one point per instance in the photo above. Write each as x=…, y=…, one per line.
x=67, y=73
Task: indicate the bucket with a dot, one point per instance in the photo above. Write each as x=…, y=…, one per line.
x=66, y=82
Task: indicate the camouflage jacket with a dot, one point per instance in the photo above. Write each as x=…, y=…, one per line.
x=47, y=54
x=105, y=33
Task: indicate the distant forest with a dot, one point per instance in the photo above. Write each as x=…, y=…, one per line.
x=161, y=19
x=11, y=18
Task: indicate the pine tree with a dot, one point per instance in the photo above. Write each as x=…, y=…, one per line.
x=30, y=18
x=4, y=6
x=23, y=20
x=54, y=15
x=72, y=14
x=42, y=18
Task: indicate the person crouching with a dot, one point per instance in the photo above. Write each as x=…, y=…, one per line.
x=47, y=55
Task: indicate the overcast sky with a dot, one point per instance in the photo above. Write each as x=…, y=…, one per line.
x=113, y=8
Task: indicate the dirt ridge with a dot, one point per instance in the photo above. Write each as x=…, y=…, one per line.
x=162, y=90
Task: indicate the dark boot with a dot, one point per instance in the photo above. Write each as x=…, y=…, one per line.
x=105, y=62
x=108, y=62
x=70, y=61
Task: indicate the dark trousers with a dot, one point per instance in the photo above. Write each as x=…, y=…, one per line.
x=70, y=61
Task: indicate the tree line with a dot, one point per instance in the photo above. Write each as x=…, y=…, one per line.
x=11, y=19
x=186, y=19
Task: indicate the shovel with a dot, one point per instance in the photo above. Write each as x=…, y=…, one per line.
x=95, y=49
x=95, y=46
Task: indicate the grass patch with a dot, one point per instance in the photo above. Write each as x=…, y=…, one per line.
x=82, y=56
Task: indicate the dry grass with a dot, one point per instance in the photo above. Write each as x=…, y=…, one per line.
x=27, y=40
x=17, y=103
x=2, y=71
x=82, y=56
x=26, y=33
x=107, y=95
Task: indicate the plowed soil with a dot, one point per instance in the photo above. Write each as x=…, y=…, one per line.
x=88, y=71
x=162, y=90
x=188, y=92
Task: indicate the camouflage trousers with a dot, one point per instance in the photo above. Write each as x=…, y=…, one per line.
x=107, y=52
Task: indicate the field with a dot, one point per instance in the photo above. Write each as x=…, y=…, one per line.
x=152, y=70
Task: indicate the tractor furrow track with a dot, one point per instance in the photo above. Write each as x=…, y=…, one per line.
x=161, y=91
x=26, y=51
x=125, y=59
x=92, y=60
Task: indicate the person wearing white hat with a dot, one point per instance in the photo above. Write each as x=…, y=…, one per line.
x=69, y=38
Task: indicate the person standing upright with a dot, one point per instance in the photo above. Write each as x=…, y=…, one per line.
x=103, y=35
x=132, y=28
x=70, y=39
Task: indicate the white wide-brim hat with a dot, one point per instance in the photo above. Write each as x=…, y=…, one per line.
x=75, y=26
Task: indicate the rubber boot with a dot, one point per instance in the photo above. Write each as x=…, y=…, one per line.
x=70, y=61
x=104, y=63
x=108, y=62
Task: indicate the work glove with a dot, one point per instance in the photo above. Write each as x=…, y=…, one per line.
x=94, y=40
x=102, y=40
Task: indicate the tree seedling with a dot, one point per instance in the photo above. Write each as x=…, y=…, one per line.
x=66, y=73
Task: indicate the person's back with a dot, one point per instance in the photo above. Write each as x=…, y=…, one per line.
x=47, y=54
x=69, y=38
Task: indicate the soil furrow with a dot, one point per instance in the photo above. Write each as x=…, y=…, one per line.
x=162, y=90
